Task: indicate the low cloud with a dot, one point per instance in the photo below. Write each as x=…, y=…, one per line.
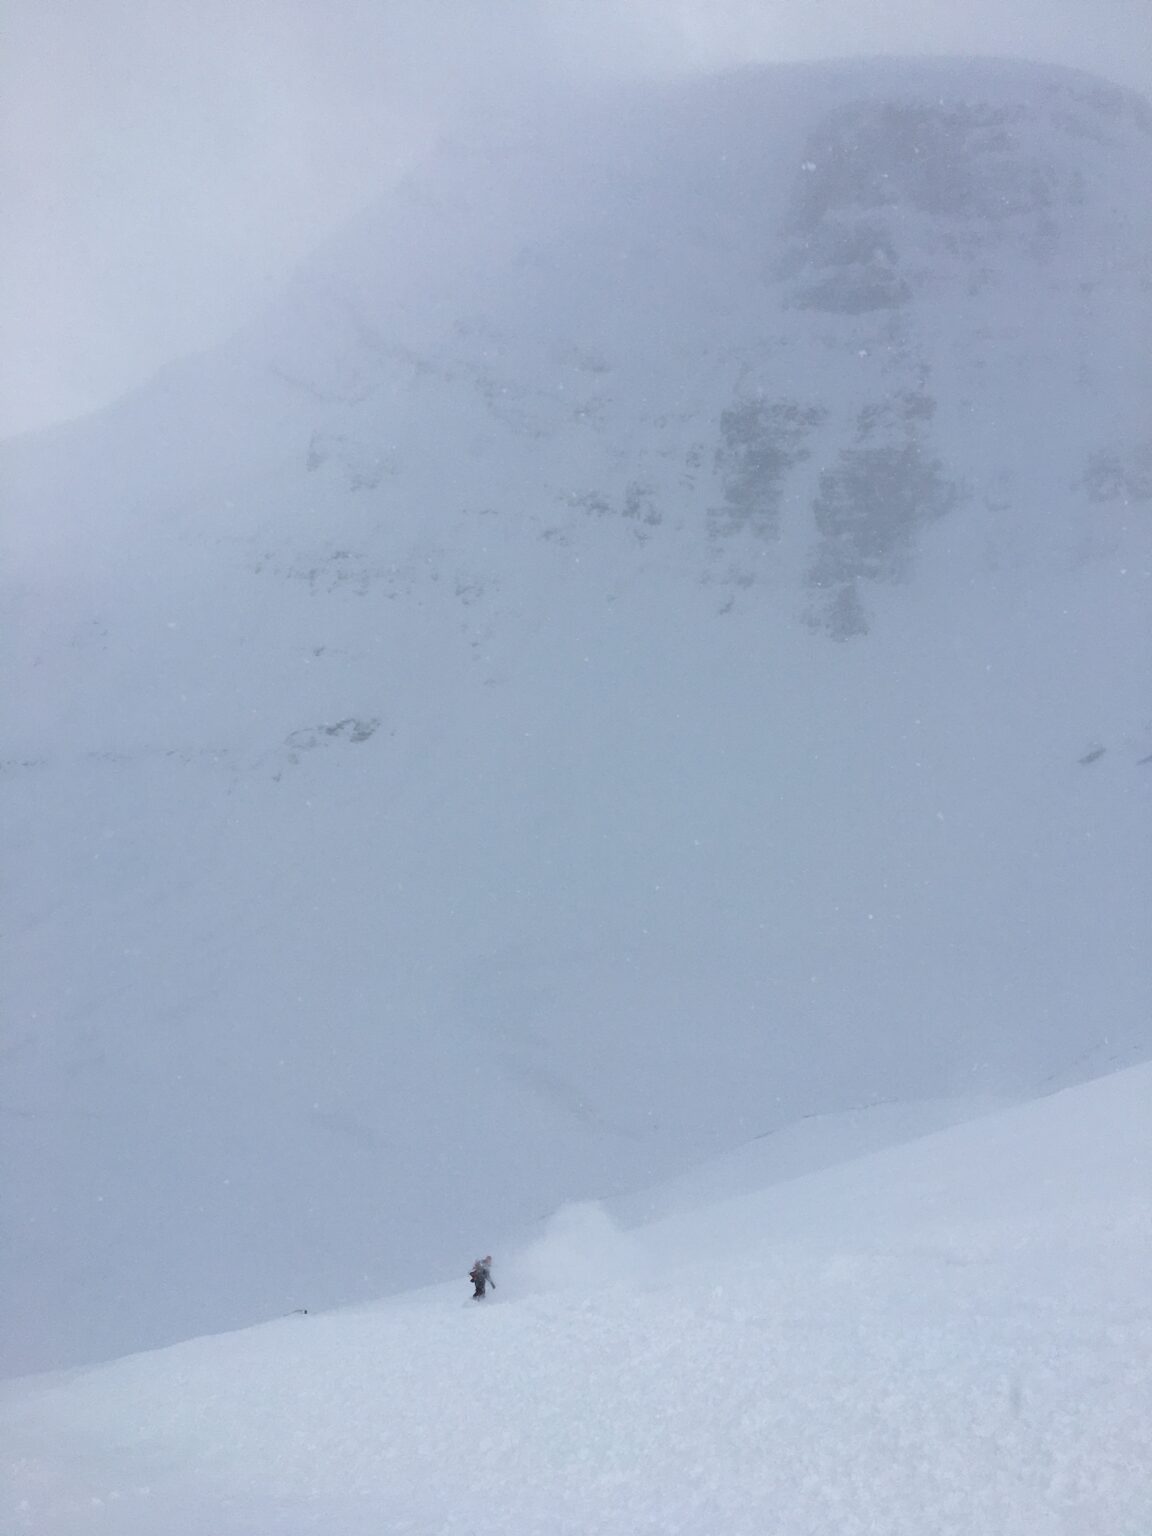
x=164, y=169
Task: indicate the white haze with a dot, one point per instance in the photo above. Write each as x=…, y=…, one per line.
x=646, y=643
x=164, y=169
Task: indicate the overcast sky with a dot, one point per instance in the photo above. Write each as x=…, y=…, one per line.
x=165, y=163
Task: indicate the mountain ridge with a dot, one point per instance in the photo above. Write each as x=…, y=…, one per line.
x=614, y=663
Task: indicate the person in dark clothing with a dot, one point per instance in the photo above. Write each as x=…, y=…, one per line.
x=481, y=1277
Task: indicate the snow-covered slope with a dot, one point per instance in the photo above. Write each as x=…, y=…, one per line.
x=950, y=1336
x=648, y=642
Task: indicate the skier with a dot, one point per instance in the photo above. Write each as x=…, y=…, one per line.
x=481, y=1277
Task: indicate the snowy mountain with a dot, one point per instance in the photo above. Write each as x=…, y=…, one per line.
x=950, y=1336
x=647, y=642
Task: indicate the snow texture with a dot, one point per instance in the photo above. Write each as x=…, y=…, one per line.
x=952, y=1336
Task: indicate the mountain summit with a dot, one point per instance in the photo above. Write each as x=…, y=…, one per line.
x=646, y=642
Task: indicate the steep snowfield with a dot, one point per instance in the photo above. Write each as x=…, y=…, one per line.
x=952, y=1336
x=648, y=642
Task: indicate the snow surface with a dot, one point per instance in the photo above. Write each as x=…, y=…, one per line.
x=949, y=1337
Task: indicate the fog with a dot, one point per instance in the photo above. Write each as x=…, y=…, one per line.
x=163, y=169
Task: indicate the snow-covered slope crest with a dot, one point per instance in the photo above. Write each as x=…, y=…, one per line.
x=648, y=642
x=951, y=1336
